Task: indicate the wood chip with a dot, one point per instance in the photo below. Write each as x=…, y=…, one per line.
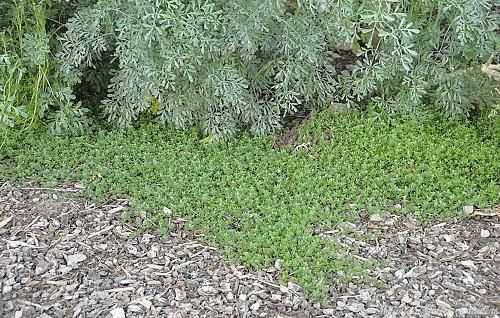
x=5, y=221
x=112, y=274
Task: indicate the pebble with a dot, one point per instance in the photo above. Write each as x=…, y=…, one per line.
x=117, y=313
x=485, y=233
x=6, y=289
x=255, y=306
x=134, y=308
x=275, y=297
x=42, y=267
x=328, y=311
x=355, y=306
x=8, y=306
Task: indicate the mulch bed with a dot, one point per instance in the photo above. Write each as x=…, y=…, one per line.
x=61, y=256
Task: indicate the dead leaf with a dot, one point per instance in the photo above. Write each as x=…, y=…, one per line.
x=447, y=258
x=376, y=227
x=493, y=213
x=410, y=225
x=79, y=186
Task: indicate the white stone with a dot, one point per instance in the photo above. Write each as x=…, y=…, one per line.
x=117, y=313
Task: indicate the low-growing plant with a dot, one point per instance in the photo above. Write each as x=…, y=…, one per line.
x=259, y=205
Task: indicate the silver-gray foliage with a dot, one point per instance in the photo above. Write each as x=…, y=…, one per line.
x=245, y=64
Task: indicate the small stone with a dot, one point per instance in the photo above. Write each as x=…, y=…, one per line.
x=117, y=313
x=6, y=289
x=462, y=311
x=230, y=296
x=207, y=290
x=263, y=295
x=371, y=311
x=485, y=233
x=243, y=297
x=406, y=299
x=225, y=287
x=400, y=274
x=328, y=311
x=340, y=305
x=469, y=209
x=59, y=312
x=255, y=306
x=376, y=218
x=71, y=288
x=454, y=287
x=73, y=260
x=448, y=238
x=8, y=306
x=132, y=249
x=134, y=308
x=284, y=289
x=442, y=304
x=364, y=296
x=469, y=264
x=102, y=294
x=275, y=297
x=180, y=294
x=145, y=303
x=42, y=267
x=468, y=280
x=63, y=269
x=355, y=307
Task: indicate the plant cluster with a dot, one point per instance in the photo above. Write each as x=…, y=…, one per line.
x=259, y=205
x=30, y=86
x=243, y=65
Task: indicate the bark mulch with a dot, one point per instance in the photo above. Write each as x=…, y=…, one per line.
x=61, y=256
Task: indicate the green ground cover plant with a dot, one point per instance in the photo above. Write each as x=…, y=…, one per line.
x=260, y=204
